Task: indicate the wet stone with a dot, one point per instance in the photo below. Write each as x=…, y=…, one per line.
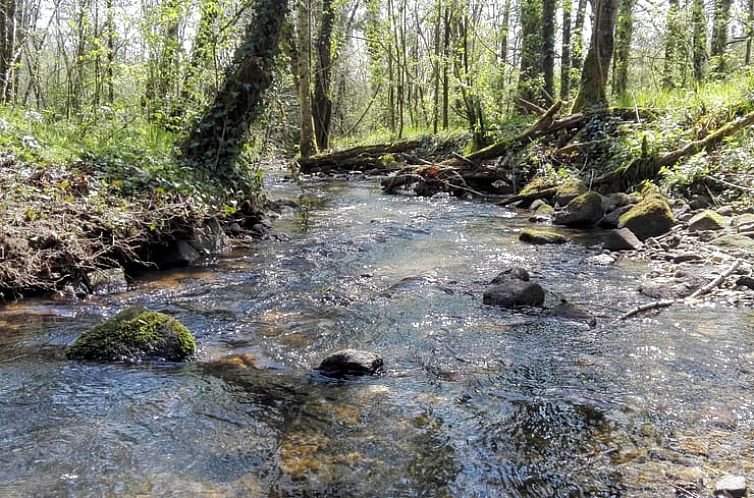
x=514, y=293
x=746, y=282
x=515, y=272
x=351, y=362
x=109, y=281
x=731, y=486
x=621, y=239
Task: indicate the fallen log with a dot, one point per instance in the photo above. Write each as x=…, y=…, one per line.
x=357, y=157
x=649, y=165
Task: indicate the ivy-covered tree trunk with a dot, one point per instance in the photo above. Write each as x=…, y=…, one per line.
x=577, y=44
x=322, y=107
x=673, y=45
x=217, y=141
x=592, y=91
x=565, y=52
x=548, y=50
x=623, y=35
x=720, y=34
x=531, y=79
x=307, y=143
x=698, y=39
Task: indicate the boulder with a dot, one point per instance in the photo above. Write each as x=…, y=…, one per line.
x=351, y=363
x=541, y=237
x=649, y=218
x=107, y=281
x=730, y=486
x=706, y=220
x=135, y=334
x=543, y=214
x=513, y=293
x=583, y=211
x=735, y=242
x=610, y=220
x=515, y=272
x=568, y=191
x=621, y=239
x=671, y=288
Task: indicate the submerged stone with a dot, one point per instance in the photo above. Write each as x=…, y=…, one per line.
x=135, y=334
x=351, y=362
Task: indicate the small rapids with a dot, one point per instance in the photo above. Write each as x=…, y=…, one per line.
x=476, y=401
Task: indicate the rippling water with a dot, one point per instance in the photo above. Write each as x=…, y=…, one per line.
x=477, y=401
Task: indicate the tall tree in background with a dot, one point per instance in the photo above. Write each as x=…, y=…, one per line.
x=720, y=34
x=592, y=91
x=548, y=50
x=673, y=45
x=577, y=44
x=623, y=35
x=322, y=106
x=531, y=79
x=215, y=144
x=565, y=52
x=307, y=144
x=749, y=31
x=698, y=39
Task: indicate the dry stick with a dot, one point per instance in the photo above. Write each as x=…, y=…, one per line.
x=700, y=292
x=729, y=184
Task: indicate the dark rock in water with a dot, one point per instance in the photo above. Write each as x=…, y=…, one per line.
x=584, y=210
x=184, y=254
x=108, y=281
x=135, y=334
x=671, y=288
x=570, y=190
x=731, y=486
x=746, y=282
x=515, y=272
x=571, y=311
x=541, y=237
x=706, y=220
x=514, y=293
x=211, y=240
x=622, y=239
x=650, y=218
x=351, y=362
x=687, y=257
x=610, y=220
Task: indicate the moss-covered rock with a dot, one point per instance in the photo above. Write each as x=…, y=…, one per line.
x=540, y=237
x=570, y=190
x=706, y=220
x=537, y=184
x=135, y=334
x=650, y=217
x=584, y=210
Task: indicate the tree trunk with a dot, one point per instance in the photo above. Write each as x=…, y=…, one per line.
x=307, y=144
x=577, y=44
x=531, y=79
x=699, y=39
x=673, y=44
x=322, y=108
x=749, y=31
x=720, y=34
x=109, y=70
x=623, y=36
x=548, y=50
x=592, y=91
x=216, y=142
x=565, y=52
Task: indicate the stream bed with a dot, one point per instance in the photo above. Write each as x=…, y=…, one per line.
x=476, y=401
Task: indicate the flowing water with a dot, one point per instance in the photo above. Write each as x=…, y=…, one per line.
x=476, y=401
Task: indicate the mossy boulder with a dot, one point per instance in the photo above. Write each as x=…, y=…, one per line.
x=570, y=190
x=706, y=220
x=541, y=237
x=650, y=217
x=536, y=185
x=583, y=211
x=135, y=334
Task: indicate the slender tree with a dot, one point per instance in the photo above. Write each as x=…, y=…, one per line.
x=623, y=35
x=548, y=50
x=531, y=80
x=720, y=26
x=307, y=144
x=565, y=52
x=673, y=45
x=698, y=39
x=322, y=105
x=592, y=91
x=577, y=44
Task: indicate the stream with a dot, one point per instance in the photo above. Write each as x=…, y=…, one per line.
x=476, y=401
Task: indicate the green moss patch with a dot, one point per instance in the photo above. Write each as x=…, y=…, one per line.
x=541, y=237
x=135, y=334
x=650, y=217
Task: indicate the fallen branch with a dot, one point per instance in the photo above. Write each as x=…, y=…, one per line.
x=540, y=194
x=699, y=293
x=729, y=184
x=529, y=106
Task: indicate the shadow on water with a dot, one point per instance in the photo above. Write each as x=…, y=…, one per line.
x=476, y=402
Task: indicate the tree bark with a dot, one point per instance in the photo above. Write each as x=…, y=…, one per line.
x=531, y=79
x=672, y=45
x=699, y=39
x=592, y=91
x=216, y=142
x=548, y=50
x=307, y=144
x=322, y=107
x=720, y=34
x=565, y=52
x=623, y=35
